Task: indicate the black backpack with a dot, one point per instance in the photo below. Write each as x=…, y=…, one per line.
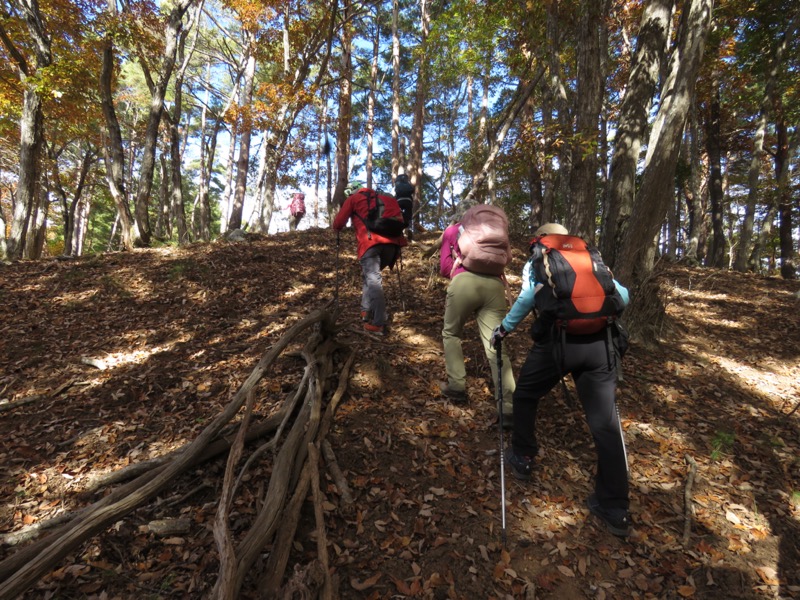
x=384, y=216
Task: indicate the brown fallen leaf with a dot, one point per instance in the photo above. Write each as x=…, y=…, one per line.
x=366, y=584
x=768, y=575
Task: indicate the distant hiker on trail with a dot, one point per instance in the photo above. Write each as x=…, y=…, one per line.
x=577, y=302
x=404, y=192
x=378, y=223
x=473, y=255
x=297, y=210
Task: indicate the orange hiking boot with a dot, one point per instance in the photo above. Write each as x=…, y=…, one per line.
x=375, y=329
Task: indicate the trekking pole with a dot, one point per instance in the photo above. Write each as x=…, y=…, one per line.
x=336, y=292
x=502, y=444
x=399, y=266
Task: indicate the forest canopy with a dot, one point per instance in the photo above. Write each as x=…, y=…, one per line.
x=655, y=129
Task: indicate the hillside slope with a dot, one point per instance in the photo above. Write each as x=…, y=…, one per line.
x=125, y=356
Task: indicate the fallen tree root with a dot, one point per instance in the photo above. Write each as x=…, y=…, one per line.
x=21, y=570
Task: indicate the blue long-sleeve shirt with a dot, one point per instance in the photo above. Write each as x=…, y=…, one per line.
x=525, y=301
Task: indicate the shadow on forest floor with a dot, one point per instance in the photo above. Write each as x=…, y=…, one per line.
x=126, y=356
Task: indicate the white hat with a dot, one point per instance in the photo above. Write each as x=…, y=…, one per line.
x=553, y=228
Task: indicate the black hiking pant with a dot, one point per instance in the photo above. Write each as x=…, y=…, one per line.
x=587, y=359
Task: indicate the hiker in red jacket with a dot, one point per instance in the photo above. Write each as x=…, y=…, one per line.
x=374, y=253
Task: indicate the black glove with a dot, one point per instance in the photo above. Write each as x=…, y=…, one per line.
x=497, y=336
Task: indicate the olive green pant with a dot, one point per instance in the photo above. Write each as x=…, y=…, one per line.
x=483, y=296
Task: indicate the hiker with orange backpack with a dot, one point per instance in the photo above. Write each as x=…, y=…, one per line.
x=473, y=255
x=577, y=302
x=378, y=223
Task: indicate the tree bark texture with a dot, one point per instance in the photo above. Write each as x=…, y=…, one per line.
x=716, y=191
x=582, y=207
x=651, y=47
x=658, y=189
x=114, y=152
x=172, y=32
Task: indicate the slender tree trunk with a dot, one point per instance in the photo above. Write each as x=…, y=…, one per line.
x=651, y=47
x=373, y=85
x=524, y=89
x=81, y=225
x=176, y=154
x=694, y=249
x=548, y=183
x=713, y=148
x=416, y=171
x=163, y=228
x=38, y=226
x=70, y=208
x=245, y=127
x=784, y=151
x=635, y=260
x=345, y=108
x=560, y=103
x=114, y=153
x=171, y=36
x=756, y=163
x=395, y=90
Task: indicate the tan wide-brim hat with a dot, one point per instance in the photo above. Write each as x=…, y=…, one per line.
x=551, y=228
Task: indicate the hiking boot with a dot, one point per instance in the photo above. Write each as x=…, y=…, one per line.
x=521, y=466
x=508, y=421
x=375, y=329
x=455, y=396
x=617, y=521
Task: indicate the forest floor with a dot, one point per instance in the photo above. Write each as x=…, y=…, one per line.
x=125, y=356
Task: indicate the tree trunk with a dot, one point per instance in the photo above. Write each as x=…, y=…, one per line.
x=70, y=208
x=114, y=153
x=345, y=108
x=784, y=151
x=395, y=90
x=696, y=237
x=34, y=246
x=582, y=207
x=756, y=162
x=177, y=208
x=163, y=228
x=171, y=37
x=416, y=170
x=559, y=103
x=373, y=85
x=657, y=191
x=525, y=88
x=29, y=168
x=651, y=47
x=245, y=127
x=713, y=148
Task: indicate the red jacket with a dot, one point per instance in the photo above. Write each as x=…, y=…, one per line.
x=356, y=204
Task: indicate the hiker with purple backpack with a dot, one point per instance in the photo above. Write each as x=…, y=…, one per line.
x=473, y=255
x=577, y=303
